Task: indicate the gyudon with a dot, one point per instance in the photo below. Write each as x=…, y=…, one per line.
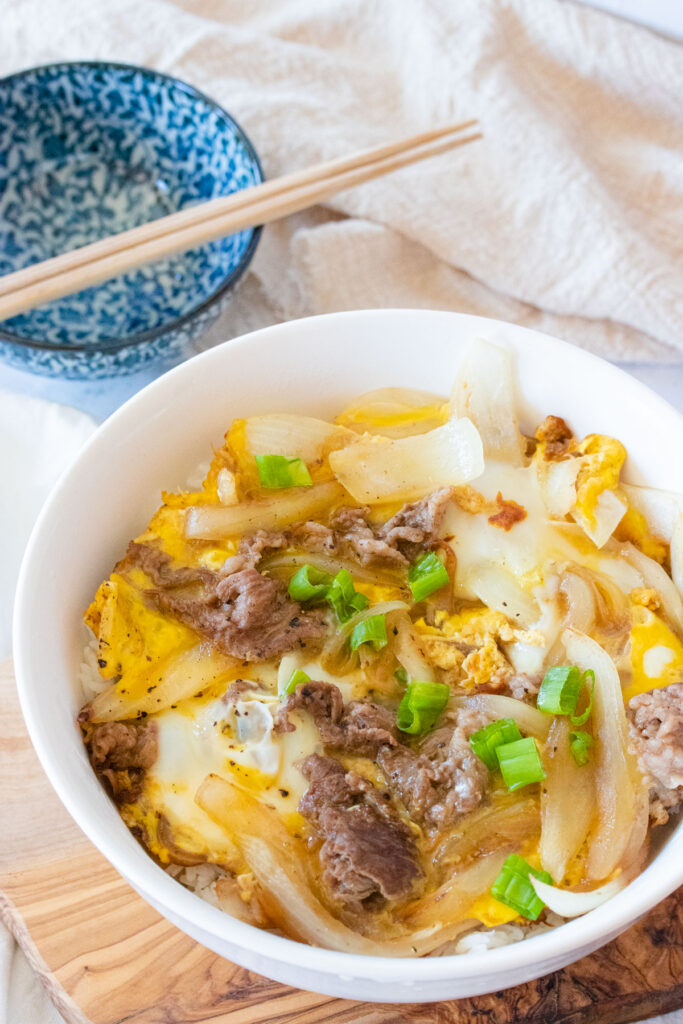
x=407, y=682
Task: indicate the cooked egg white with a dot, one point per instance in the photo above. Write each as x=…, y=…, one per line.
x=237, y=742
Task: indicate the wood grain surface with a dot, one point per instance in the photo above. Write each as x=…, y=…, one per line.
x=106, y=957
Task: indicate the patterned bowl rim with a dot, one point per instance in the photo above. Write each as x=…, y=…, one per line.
x=114, y=344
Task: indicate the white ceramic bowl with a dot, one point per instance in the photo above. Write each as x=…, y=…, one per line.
x=155, y=441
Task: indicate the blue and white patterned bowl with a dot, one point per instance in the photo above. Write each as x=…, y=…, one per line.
x=90, y=149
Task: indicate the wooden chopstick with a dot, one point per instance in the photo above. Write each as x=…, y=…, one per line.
x=109, y=257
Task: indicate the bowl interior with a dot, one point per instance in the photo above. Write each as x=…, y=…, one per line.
x=88, y=150
x=155, y=441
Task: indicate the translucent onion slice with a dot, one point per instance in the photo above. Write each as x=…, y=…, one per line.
x=181, y=677
x=558, y=485
x=380, y=469
x=572, y=904
x=661, y=509
x=530, y=720
x=217, y=522
x=654, y=576
x=408, y=651
x=367, y=573
x=609, y=510
x=677, y=555
x=617, y=780
x=484, y=391
x=304, y=436
x=498, y=590
x=567, y=801
x=395, y=412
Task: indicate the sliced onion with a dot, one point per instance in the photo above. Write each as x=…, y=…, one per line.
x=580, y=597
x=661, y=509
x=497, y=589
x=217, y=522
x=380, y=469
x=394, y=412
x=226, y=486
x=484, y=391
x=615, y=771
x=180, y=678
x=610, y=509
x=408, y=651
x=572, y=904
x=369, y=574
x=567, y=801
x=304, y=436
x=677, y=555
x=658, y=578
x=558, y=485
x=529, y=719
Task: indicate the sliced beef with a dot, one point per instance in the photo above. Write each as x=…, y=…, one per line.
x=367, y=853
x=360, y=727
x=157, y=565
x=121, y=753
x=416, y=526
x=656, y=733
x=442, y=778
x=245, y=615
x=356, y=538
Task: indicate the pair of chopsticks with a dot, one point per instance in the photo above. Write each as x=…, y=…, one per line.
x=216, y=218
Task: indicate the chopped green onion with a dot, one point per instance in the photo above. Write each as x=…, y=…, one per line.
x=582, y=719
x=372, y=630
x=520, y=763
x=560, y=689
x=579, y=744
x=279, y=471
x=495, y=734
x=401, y=676
x=344, y=598
x=309, y=584
x=297, y=677
x=513, y=888
x=426, y=575
x=421, y=706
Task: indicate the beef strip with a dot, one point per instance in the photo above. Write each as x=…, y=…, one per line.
x=360, y=727
x=416, y=526
x=245, y=615
x=656, y=739
x=121, y=753
x=367, y=853
x=413, y=529
x=443, y=777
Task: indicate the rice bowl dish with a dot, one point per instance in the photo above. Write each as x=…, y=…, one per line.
x=162, y=451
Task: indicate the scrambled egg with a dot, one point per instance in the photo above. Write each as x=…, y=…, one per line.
x=601, y=460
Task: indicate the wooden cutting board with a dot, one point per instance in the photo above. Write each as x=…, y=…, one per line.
x=105, y=957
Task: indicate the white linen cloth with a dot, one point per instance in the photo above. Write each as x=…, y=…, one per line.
x=567, y=217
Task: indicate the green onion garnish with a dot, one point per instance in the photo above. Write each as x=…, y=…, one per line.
x=309, y=584
x=513, y=888
x=495, y=734
x=279, y=471
x=582, y=719
x=426, y=575
x=344, y=598
x=401, y=676
x=520, y=763
x=297, y=677
x=579, y=744
x=421, y=706
x=560, y=689
x=372, y=630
